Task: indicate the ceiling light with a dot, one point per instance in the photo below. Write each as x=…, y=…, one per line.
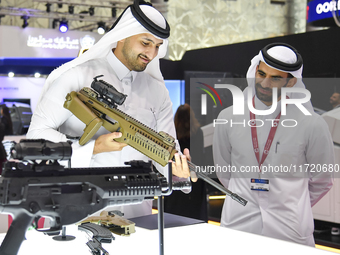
x=101, y=28
x=25, y=23
x=60, y=5
x=10, y=74
x=1, y=16
x=63, y=26
x=48, y=7
x=91, y=11
x=37, y=75
x=71, y=9
x=54, y=23
x=114, y=12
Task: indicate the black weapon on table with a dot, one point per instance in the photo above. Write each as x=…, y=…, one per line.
x=97, y=107
x=38, y=186
x=98, y=235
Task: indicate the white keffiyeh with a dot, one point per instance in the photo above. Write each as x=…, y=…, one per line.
x=126, y=27
x=283, y=54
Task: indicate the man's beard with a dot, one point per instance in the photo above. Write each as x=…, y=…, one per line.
x=267, y=97
x=133, y=60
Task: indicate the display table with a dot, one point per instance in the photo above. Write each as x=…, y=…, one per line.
x=200, y=238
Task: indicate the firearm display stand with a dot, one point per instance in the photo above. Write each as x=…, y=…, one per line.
x=160, y=207
x=63, y=236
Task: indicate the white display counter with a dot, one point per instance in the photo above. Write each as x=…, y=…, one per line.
x=199, y=238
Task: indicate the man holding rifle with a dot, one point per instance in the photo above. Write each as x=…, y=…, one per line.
x=128, y=58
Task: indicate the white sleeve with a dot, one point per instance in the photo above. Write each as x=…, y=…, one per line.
x=320, y=153
x=50, y=114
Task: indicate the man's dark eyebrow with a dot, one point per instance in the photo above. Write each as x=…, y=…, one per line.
x=150, y=40
x=274, y=76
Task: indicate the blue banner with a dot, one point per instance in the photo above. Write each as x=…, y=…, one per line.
x=321, y=9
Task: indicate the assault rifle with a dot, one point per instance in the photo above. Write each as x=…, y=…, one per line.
x=38, y=186
x=97, y=107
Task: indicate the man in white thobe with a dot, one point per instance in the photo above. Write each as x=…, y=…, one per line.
x=276, y=163
x=128, y=58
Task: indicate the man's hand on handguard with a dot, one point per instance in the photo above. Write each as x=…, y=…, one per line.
x=180, y=167
x=106, y=143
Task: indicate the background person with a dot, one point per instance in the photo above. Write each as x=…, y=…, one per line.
x=128, y=57
x=334, y=100
x=3, y=154
x=6, y=120
x=6, y=128
x=279, y=203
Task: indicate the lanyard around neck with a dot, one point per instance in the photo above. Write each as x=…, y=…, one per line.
x=270, y=138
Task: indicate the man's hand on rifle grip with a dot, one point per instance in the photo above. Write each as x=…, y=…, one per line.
x=106, y=143
x=180, y=167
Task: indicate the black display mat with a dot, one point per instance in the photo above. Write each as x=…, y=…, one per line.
x=170, y=220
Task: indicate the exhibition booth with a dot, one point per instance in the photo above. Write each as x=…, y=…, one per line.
x=31, y=54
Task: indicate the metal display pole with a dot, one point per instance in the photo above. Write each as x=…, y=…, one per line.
x=160, y=205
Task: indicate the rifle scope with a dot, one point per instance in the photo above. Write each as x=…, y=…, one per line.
x=107, y=91
x=41, y=149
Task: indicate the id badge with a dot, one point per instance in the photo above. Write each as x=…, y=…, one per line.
x=259, y=184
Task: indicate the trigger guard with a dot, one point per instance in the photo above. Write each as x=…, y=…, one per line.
x=52, y=231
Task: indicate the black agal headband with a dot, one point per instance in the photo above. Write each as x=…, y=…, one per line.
x=145, y=21
x=279, y=64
